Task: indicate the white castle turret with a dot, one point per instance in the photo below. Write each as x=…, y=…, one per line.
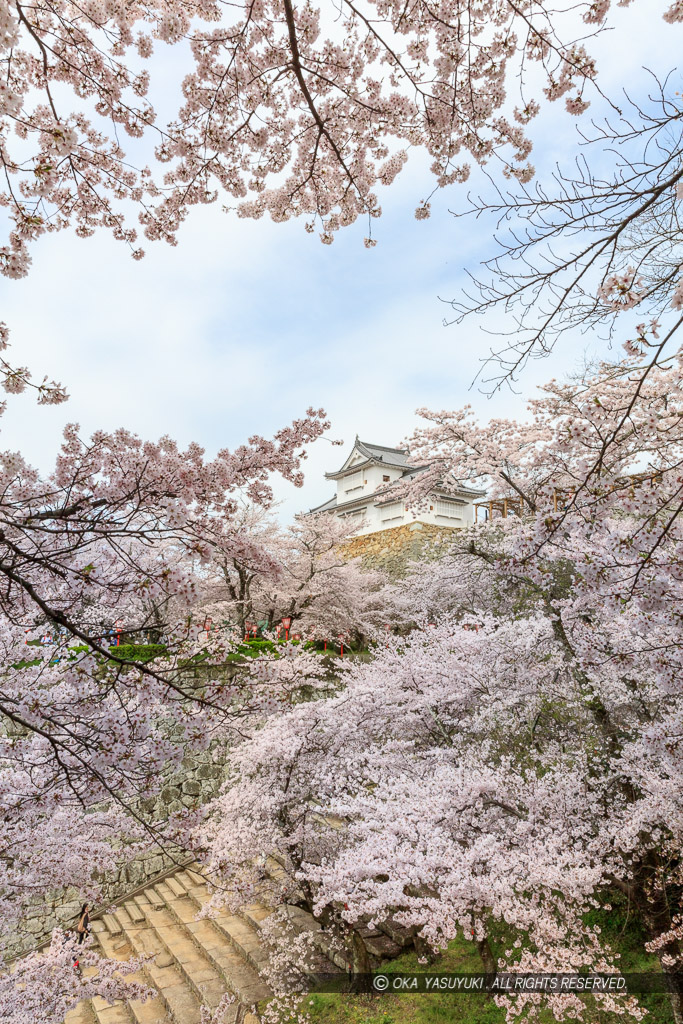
x=366, y=486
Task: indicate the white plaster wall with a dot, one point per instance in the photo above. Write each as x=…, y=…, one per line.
x=387, y=517
x=367, y=481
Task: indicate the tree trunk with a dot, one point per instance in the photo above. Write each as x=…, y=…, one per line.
x=487, y=957
x=651, y=898
x=675, y=994
x=657, y=919
x=359, y=960
x=424, y=950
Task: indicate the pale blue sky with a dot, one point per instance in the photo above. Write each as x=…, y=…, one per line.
x=245, y=324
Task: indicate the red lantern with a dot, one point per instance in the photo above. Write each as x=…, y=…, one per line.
x=287, y=622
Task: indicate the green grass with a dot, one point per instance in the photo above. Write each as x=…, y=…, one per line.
x=618, y=927
x=409, y=1008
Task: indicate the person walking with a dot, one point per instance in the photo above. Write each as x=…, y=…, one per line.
x=83, y=926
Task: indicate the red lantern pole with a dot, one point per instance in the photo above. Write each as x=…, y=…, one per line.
x=287, y=622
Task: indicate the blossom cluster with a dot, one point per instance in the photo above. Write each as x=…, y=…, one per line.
x=278, y=117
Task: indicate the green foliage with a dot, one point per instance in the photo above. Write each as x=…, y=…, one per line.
x=622, y=929
x=252, y=648
x=138, y=652
x=255, y=648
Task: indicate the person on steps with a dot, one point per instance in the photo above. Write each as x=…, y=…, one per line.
x=83, y=926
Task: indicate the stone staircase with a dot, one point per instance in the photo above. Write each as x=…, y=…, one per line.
x=195, y=962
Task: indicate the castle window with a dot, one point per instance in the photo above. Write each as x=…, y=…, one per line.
x=386, y=479
x=356, y=514
x=393, y=511
x=450, y=509
x=354, y=481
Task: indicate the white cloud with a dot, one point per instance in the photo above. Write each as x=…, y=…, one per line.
x=245, y=324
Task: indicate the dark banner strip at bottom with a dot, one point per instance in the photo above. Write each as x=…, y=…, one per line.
x=502, y=984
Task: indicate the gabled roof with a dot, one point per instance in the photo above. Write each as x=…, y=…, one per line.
x=360, y=501
x=373, y=453
x=386, y=495
x=396, y=458
x=326, y=505
x=380, y=453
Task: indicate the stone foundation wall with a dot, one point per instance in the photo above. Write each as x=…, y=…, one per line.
x=198, y=780
x=392, y=550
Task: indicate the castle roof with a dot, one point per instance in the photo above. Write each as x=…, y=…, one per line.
x=373, y=453
x=382, y=455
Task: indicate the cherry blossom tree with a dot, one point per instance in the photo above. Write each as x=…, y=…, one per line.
x=512, y=772
x=307, y=577
x=46, y=991
x=599, y=240
x=520, y=760
x=286, y=109
x=84, y=731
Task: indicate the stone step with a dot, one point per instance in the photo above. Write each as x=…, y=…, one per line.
x=194, y=960
x=82, y=1014
x=152, y=1011
x=134, y=912
x=164, y=974
x=110, y=1013
x=402, y=936
x=199, y=974
x=382, y=946
x=322, y=958
x=188, y=879
x=97, y=1010
x=111, y=924
x=196, y=877
x=221, y=945
x=176, y=887
x=242, y=938
x=378, y=942
x=274, y=870
x=304, y=921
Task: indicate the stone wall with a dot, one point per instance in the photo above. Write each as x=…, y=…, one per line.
x=392, y=550
x=196, y=781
